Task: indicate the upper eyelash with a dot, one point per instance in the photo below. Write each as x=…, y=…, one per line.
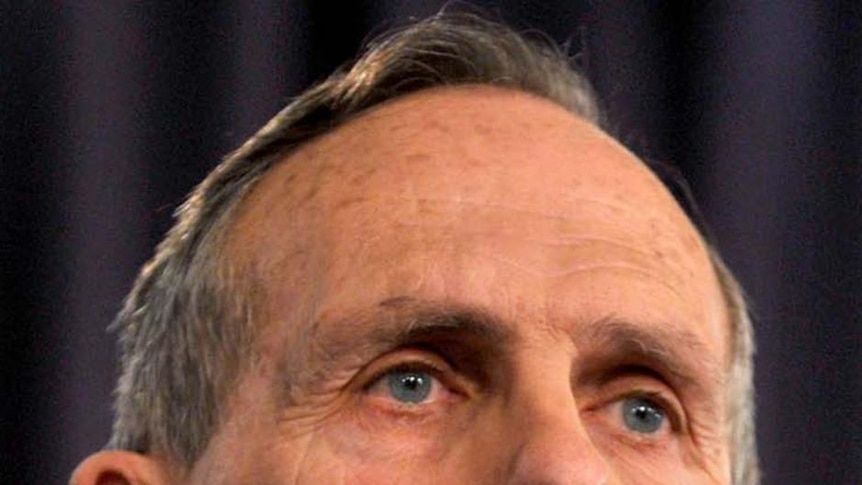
x=409, y=366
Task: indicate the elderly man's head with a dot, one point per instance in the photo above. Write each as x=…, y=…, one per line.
x=434, y=268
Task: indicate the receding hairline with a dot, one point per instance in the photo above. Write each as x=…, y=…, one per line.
x=307, y=164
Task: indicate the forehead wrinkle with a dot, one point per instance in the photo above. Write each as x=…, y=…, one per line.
x=573, y=237
x=573, y=240
x=564, y=214
x=658, y=224
x=563, y=209
x=566, y=199
x=583, y=269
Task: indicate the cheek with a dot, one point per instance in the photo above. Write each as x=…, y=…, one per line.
x=373, y=447
x=667, y=465
x=349, y=456
x=380, y=441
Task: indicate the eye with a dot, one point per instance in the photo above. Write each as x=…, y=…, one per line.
x=410, y=385
x=642, y=415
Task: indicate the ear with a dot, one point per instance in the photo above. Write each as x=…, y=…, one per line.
x=117, y=467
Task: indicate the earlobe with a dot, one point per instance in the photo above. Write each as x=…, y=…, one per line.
x=116, y=467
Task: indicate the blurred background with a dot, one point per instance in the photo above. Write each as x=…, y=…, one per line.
x=111, y=111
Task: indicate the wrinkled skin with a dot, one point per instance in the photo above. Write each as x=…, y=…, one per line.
x=523, y=265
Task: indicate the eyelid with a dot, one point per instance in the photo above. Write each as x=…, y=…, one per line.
x=656, y=385
x=410, y=359
x=646, y=386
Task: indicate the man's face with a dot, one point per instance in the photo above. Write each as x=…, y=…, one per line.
x=471, y=285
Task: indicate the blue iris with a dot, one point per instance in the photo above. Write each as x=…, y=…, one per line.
x=642, y=415
x=410, y=387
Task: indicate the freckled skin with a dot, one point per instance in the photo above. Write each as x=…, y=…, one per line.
x=487, y=197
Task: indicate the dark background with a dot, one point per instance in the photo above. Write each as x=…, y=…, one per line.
x=111, y=111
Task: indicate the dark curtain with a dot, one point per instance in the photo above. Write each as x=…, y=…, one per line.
x=112, y=111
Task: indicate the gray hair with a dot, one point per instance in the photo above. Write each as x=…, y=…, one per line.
x=187, y=328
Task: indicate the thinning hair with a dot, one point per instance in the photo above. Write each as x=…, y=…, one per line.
x=188, y=326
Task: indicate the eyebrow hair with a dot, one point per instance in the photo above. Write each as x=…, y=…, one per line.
x=387, y=325
x=675, y=353
x=611, y=344
x=426, y=317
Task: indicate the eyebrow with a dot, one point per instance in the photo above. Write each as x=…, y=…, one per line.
x=675, y=353
x=353, y=338
x=415, y=319
x=610, y=344
x=401, y=320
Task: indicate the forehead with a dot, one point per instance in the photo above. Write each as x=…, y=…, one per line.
x=475, y=193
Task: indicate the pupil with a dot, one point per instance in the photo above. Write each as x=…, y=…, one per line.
x=411, y=382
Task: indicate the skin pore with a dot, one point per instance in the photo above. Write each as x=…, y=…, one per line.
x=470, y=285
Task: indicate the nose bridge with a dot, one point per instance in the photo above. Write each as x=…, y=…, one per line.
x=553, y=445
